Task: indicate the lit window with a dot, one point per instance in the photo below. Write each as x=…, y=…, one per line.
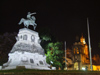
x=77, y=51
x=84, y=50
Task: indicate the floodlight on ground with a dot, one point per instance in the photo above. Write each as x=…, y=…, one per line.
x=83, y=68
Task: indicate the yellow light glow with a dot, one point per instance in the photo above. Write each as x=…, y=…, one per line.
x=82, y=40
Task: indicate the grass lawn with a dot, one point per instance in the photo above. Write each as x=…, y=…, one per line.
x=47, y=72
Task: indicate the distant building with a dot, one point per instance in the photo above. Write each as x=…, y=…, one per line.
x=78, y=57
x=80, y=54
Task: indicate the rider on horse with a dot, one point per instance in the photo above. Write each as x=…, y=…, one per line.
x=30, y=17
x=29, y=21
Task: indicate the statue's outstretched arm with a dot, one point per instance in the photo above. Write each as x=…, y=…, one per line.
x=33, y=13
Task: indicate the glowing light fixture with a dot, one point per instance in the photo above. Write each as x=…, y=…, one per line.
x=83, y=68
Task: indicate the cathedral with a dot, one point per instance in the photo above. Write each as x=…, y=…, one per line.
x=80, y=55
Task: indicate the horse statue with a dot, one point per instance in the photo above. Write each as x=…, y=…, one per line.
x=29, y=21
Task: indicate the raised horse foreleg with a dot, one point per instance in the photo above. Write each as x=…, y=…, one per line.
x=21, y=21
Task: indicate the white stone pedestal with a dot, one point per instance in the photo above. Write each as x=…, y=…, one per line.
x=27, y=52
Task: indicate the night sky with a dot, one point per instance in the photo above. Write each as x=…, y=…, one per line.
x=65, y=18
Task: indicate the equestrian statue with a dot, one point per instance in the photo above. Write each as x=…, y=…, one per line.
x=29, y=21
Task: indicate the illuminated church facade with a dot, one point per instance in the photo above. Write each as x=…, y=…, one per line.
x=81, y=60
x=80, y=55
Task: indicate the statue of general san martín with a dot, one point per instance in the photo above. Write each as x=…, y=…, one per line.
x=29, y=21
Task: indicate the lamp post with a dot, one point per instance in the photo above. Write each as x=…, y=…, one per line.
x=65, y=56
x=89, y=44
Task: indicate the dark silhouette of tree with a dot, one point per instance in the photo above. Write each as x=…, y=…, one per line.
x=7, y=40
x=46, y=37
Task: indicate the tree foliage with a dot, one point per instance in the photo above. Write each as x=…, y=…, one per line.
x=55, y=54
x=46, y=37
x=7, y=41
x=96, y=59
x=53, y=49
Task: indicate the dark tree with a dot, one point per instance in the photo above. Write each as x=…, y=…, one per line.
x=7, y=40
